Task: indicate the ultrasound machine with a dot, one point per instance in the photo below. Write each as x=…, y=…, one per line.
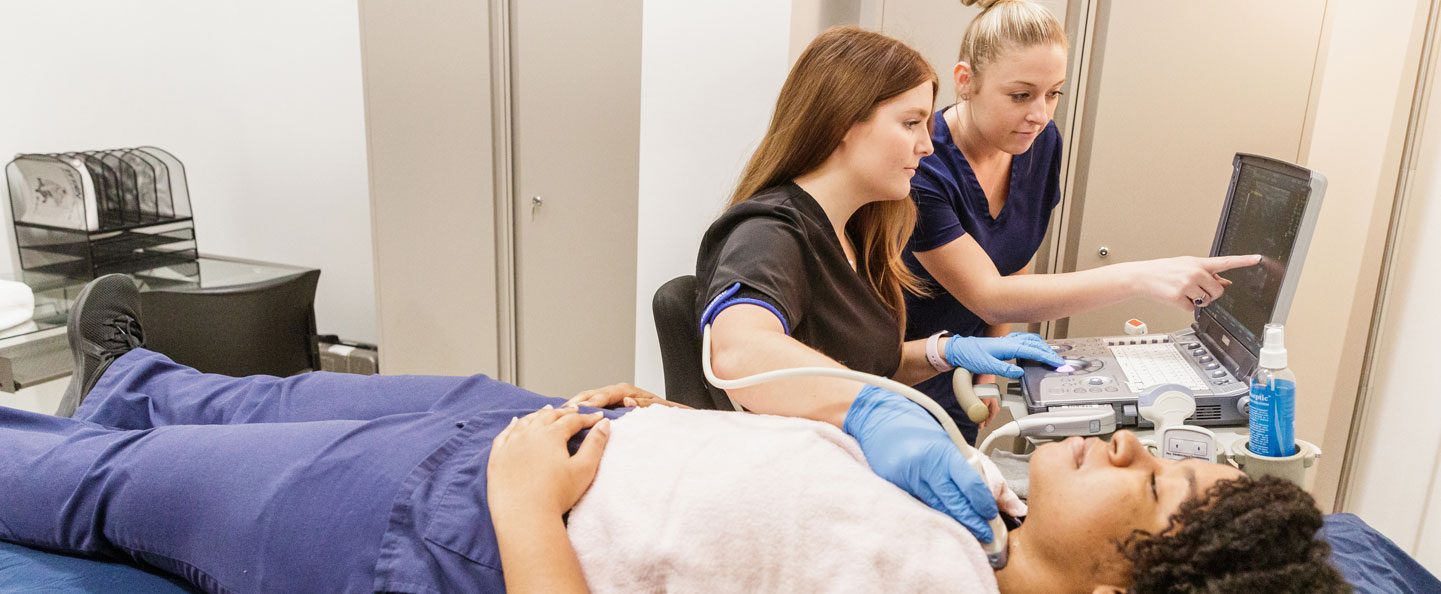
x=1271, y=209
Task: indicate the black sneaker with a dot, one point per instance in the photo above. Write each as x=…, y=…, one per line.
x=104, y=324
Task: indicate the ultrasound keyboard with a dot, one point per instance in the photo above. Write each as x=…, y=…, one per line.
x=1147, y=365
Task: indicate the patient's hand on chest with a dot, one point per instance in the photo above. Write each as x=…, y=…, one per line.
x=620, y=395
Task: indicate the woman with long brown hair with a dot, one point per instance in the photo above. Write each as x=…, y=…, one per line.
x=804, y=268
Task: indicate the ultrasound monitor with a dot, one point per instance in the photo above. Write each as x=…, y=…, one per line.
x=1271, y=209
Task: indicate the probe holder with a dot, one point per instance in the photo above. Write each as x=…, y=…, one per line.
x=1292, y=468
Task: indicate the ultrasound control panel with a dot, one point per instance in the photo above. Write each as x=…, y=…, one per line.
x=1114, y=370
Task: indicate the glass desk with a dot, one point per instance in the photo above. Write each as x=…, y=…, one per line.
x=38, y=351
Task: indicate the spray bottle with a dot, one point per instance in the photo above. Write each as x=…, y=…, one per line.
x=1273, y=399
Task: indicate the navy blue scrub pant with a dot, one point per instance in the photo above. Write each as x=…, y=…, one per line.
x=316, y=483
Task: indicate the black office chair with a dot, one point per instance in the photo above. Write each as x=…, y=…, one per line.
x=678, y=327
x=265, y=328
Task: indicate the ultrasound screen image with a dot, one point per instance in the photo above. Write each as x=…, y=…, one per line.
x=1264, y=218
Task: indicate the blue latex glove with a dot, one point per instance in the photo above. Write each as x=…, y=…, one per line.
x=906, y=446
x=989, y=355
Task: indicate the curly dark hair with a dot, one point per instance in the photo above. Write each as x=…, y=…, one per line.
x=1242, y=535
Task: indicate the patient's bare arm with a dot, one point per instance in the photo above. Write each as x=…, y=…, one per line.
x=621, y=394
x=532, y=481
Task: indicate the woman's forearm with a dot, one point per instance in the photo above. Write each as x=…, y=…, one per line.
x=1041, y=297
x=915, y=367
x=535, y=552
x=747, y=339
x=1025, y=298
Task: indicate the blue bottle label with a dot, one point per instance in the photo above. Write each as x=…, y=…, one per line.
x=1273, y=418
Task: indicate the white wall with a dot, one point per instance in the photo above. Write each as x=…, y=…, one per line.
x=1394, y=485
x=260, y=99
x=710, y=74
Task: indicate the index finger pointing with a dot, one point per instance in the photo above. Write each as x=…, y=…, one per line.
x=1224, y=263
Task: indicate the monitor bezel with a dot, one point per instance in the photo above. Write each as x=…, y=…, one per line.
x=1223, y=335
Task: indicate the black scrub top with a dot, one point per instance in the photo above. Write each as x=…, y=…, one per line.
x=781, y=248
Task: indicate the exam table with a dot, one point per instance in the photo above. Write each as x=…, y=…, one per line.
x=1370, y=562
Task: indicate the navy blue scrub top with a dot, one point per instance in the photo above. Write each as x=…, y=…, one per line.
x=951, y=204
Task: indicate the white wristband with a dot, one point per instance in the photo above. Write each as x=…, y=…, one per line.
x=933, y=354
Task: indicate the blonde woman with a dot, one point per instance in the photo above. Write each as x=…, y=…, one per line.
x=986, y=193
x=804, y=268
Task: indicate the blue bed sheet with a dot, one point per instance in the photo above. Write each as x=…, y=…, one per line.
x=32, y=571
x=1369, y=560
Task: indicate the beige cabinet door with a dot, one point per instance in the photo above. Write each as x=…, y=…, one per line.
x=1177, y=89
x=429, y=137
x=575, y=70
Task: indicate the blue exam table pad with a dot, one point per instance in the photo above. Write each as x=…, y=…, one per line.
x=1369, y=560
x=23, y=569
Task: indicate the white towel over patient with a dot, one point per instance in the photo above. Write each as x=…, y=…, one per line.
x=708, y=501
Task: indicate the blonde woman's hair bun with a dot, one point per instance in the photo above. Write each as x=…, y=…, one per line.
x=1007, y=25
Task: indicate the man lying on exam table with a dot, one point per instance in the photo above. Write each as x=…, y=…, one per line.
x=339, y=483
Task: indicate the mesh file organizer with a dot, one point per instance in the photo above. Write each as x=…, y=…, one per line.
x=80, y=215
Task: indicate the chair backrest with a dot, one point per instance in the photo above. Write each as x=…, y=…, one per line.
x=678, y=327
x=262, y=328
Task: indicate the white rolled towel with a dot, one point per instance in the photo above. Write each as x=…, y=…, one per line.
x=17, y=303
